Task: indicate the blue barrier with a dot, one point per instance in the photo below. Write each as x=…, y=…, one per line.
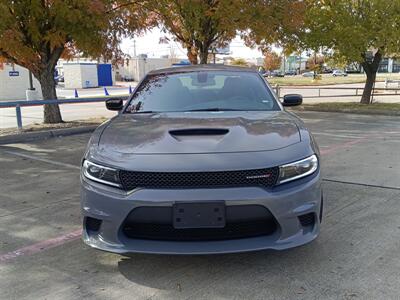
x=22, y=103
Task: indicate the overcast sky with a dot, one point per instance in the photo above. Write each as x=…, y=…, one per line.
x=149, y=44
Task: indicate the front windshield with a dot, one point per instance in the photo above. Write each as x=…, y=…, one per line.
x=202, y=91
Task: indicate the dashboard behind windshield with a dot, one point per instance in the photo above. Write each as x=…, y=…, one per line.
x=202, y=91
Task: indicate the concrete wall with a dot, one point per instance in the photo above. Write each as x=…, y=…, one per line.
x=80, y=75
x=14, y=87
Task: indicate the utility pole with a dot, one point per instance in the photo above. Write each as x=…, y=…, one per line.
x=284, y=63
x=31, y=88
x=31, y=93
x=300, y=63
x=134, y=48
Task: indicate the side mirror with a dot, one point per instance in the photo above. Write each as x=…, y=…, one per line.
x=114, y=104
x=292, y=100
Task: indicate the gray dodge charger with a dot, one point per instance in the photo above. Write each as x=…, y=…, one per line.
x=200, y=160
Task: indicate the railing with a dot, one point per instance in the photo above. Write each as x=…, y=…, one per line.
x=278, y=90
x=356, y=93
x=20, y=103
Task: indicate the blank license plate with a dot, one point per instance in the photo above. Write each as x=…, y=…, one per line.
x=199, y=215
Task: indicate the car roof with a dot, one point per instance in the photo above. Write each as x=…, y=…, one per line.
x=197, y=68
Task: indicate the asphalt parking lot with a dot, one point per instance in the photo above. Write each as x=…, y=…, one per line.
x=356, y=256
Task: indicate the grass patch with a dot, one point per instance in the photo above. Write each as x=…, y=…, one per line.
x=328, y=79
x=392, y=109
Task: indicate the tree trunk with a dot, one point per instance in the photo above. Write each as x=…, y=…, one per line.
x=369, y=84
x=204, y=56
x=51, y=113
x=203, y=51
x=192, y=55
x=370, y=69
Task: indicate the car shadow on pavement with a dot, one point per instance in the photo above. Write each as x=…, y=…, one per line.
x=224, y=275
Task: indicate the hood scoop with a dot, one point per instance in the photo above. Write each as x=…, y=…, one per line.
x=198, y=132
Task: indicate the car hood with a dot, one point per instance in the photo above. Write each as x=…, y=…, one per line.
x=199, y=132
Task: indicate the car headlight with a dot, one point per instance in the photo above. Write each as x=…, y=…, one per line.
x=100, y=173
x=298, y=169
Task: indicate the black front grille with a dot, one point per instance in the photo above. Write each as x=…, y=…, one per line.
x=242, y=221
x=259, y=177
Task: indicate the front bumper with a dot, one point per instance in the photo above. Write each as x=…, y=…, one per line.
x=286, y=203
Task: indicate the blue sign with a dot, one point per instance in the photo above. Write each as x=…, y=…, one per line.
x=13, y=73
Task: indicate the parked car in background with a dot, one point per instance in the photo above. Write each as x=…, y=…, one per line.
x=291, y=73
x=308, y=74
x=326, y=71
x=277, y=73
x=127, y=78
x=201, y=159
x=267, y=74
x=339, y=73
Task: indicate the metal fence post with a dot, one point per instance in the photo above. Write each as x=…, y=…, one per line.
x=18, y=115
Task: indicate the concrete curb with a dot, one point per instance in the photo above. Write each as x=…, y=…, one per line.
x=43, y=135
x=350, y=111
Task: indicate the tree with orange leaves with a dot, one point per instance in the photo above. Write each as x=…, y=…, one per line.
x=200, y=25
x=35, y=34
x=275, y=22
x=197, y=24
x=272, y=61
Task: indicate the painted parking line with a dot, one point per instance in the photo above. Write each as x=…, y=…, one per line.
x=334, y=135
x=335, y=147
x=33, y=157
x=72, y=236
x=41, y=246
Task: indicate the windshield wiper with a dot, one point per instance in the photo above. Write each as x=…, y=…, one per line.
x=214, y=109
x=145, y=112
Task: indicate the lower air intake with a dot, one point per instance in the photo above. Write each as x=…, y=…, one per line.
x=307, y=219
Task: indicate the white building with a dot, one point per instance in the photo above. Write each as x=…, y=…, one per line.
x=80, y=75
x=136, y=68
x=14, y=81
